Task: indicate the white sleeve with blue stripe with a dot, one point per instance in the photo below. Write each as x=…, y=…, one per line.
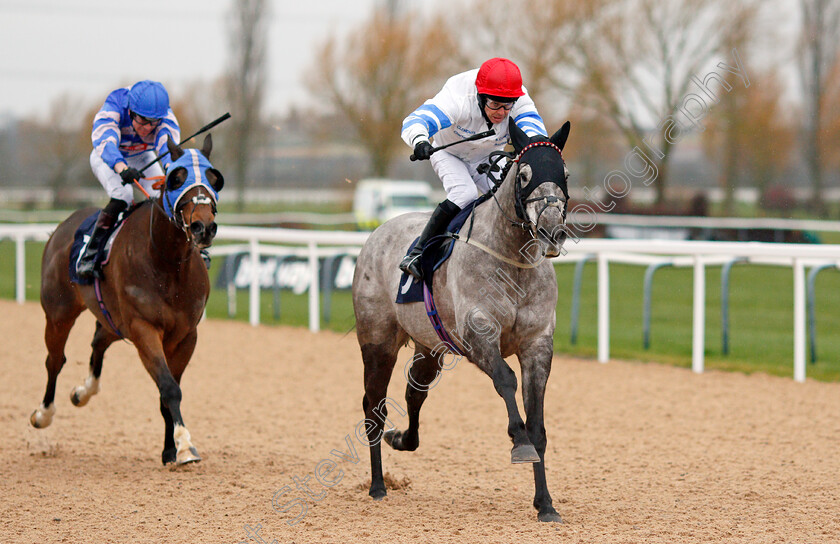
x=525, y=116
x=436, y=114
x=106, y=130
x=168, y=129
x=424, y=122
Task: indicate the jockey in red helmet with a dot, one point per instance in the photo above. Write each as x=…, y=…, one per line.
x=469, y=103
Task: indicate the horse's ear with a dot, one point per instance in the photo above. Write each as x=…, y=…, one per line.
x=175, y=150
x=215, y=178
x=560, y=137
x=176, y=178
x=207, y=146
x=518, y=137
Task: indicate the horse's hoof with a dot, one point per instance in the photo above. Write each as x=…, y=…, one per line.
x=525, y=453
x=81, y=394
x=42, y=417
x=188, y=456
x=389, y=437
x=76, y=398
x=551, y=515
x=36, y=421
x=378, y=494
x=168, y=457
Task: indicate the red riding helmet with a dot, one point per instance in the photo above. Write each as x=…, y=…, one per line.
x=499, y=77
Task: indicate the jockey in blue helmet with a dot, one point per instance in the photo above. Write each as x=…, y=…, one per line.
x=129, y=132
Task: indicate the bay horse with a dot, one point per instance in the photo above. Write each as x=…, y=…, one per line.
x=496, y=294
x=153, y=293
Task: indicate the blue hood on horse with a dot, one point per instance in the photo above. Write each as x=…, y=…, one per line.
x=196, y=166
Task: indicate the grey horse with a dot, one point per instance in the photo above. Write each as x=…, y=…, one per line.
x=496, y=295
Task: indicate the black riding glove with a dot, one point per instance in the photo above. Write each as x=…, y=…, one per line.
x=130, y=175
x=423, y=150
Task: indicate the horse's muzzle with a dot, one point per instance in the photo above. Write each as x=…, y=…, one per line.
x=551, y=243
x=202, y=234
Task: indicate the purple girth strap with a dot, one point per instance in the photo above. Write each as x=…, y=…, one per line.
x=440, y=330
x=102, y=307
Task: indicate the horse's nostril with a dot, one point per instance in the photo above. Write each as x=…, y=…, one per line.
x=196, y=227
x=212, y=229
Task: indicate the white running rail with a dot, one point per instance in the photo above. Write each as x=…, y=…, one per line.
x=318, y=243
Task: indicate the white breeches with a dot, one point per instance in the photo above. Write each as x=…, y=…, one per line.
x=461, y=179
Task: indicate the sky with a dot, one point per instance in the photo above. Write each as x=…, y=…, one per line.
x=87, y=48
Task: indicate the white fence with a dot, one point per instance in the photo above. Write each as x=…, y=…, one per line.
x=318, y=243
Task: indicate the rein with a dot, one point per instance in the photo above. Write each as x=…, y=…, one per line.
x=494, y=253
x=525, y=223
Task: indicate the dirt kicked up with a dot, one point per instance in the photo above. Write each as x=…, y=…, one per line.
x=636, y=452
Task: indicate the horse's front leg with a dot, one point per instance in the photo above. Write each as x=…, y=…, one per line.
x=177, y=361
x=487, y=356
x=535, y=359
x=147, y=340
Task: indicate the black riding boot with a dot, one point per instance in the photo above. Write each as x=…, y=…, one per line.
x=436, y=226
x=86, y=269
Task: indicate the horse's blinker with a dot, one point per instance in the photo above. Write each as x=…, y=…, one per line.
x=196, y=166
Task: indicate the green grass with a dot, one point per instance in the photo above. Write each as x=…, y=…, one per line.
x=760, y=302
x=33, y=251
x=760, y=318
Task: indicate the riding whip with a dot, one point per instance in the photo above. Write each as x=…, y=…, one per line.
x=205, y=128
x=478, y=136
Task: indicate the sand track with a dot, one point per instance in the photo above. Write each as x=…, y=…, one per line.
x=636, y=453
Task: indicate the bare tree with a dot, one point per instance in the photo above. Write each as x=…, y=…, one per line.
x=636, y=66
x=246, y=86
x=380, y=73
x=56, y=149
x=730, y=124
x=629, y=60
x=830, y=151
x=540, y=36
x=819, y=50
x=751, y=135
x=593, y=147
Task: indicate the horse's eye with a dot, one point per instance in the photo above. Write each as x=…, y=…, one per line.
x=525, y=174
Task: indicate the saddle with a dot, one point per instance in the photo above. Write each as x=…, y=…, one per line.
x=82, y=237
x=436, y=252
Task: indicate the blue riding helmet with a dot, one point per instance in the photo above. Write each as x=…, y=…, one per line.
x=149, y=99
x=196, y=165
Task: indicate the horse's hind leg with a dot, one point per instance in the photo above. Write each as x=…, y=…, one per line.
x=379, y=358
x=55, y=337
x=536, y=366
x=102, y=338
x=422, y=376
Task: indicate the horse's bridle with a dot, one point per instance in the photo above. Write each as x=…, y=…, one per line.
x=177, y=216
